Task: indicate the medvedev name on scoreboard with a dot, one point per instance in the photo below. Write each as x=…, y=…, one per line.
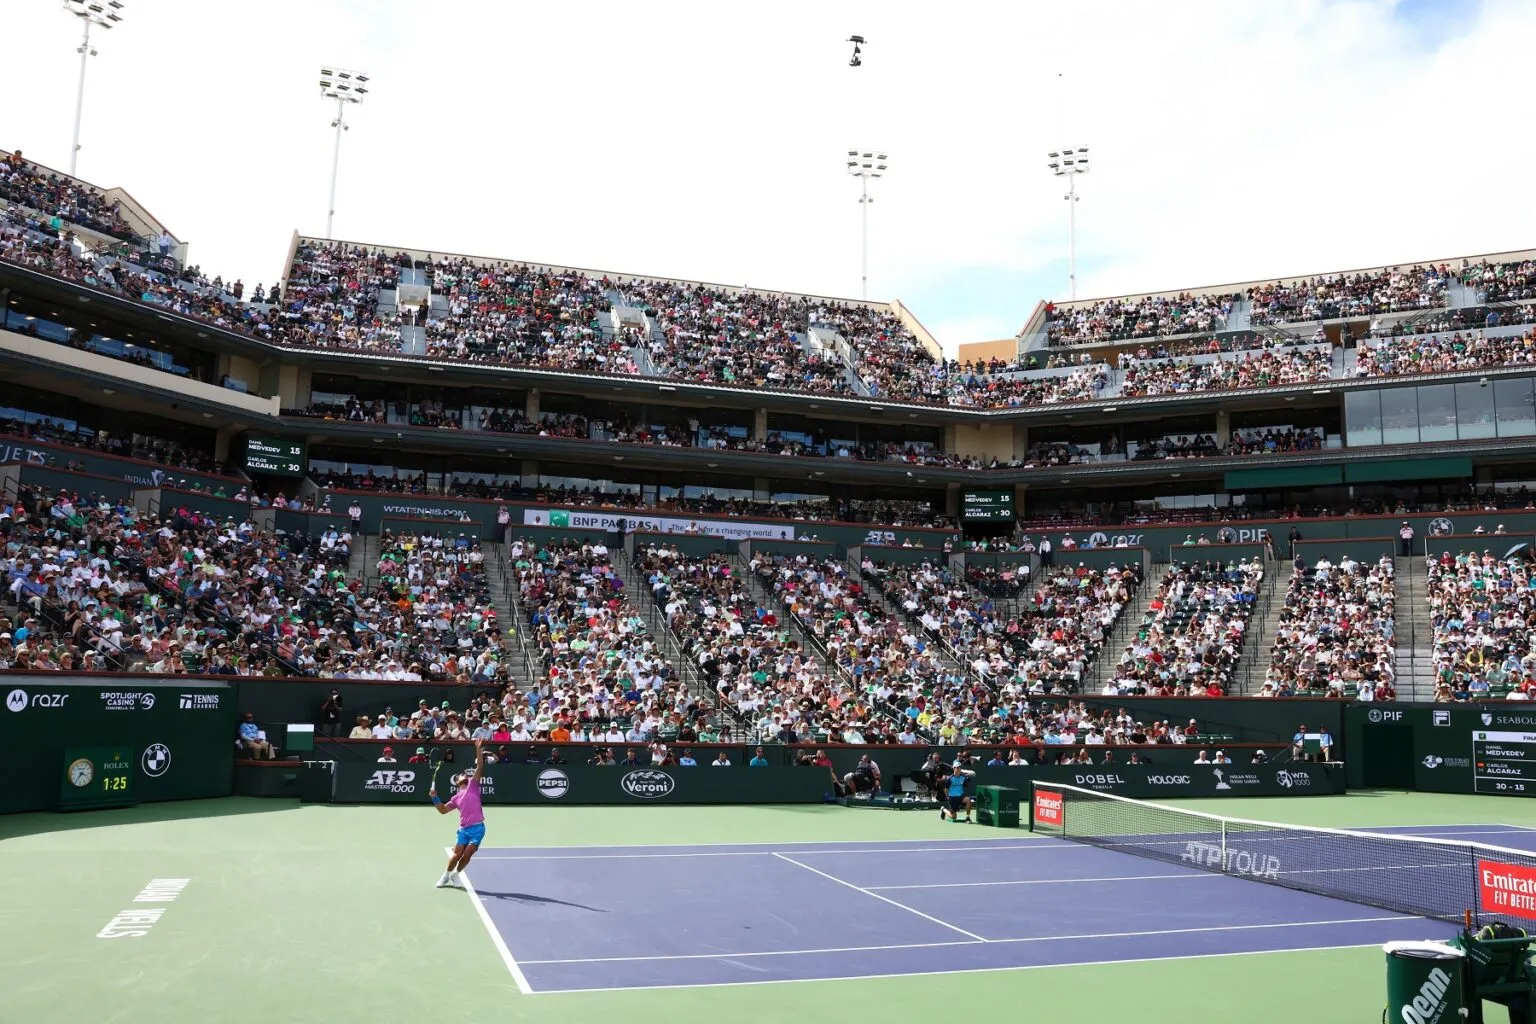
x=986, y=504
x=265, y=455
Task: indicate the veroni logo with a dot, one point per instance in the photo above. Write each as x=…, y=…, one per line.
x=648, y=784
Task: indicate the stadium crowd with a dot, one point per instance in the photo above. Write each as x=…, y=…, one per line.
x=1482, y=617
x=1392, y=290
x=1335, y=633
x=1149, y=316
x=1440, y=353
x=1192, y=634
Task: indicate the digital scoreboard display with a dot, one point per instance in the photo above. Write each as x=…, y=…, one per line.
x=1504, y=762
x=984, y=506
x=278, y=457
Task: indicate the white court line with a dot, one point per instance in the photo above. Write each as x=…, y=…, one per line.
x=882, y=899
x=1048, y=881
x=1028, y=837
x=951, y=971
x=1031, y=848
x=496, y=939
x=989, y=942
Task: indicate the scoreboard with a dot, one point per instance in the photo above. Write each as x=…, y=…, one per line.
x=276, y=456
x=1504, y=762
x=982, y=506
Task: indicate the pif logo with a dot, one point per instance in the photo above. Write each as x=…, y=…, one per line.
x=1380, y=715
x=648, y=784
x=553, y=783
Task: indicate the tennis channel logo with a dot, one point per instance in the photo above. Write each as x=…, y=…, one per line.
x=553, y=783
x=388, y=780
x=198, y=702
x=648, y=784
x=1430, y=1005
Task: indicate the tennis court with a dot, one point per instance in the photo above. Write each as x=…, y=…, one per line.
x=805, y=914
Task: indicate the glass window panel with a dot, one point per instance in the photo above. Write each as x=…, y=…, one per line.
x=1437, y=412
x=1474, y=410
x=1362, y=413
x=1399, y=416
x=1514, y=411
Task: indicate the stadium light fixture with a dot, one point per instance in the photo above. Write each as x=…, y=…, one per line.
x=1068, y=163
x=865, y=166
x=103, y=16
x=344, y=87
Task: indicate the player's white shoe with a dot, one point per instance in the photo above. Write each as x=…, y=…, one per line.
x=455, y=880
x=445, y=881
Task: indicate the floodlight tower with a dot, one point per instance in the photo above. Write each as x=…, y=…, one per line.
x=344, y=87
x=1069, y=163
x=865, y=166
x=103, y=16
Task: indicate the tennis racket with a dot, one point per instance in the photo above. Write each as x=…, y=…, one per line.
x=435, y=757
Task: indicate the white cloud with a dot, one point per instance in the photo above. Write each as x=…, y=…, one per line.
x=1231, y=141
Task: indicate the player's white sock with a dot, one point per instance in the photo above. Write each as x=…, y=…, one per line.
x=445, y=881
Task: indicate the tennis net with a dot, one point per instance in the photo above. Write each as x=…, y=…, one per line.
x=1434, y=878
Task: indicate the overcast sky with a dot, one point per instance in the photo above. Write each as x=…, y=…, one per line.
x=1230, y=140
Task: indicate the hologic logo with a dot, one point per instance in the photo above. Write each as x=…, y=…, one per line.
x=1169, y=780
x=648, y=784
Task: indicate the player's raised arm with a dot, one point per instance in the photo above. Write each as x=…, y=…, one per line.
x=479, y=760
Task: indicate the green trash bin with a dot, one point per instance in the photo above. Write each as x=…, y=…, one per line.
x=1425, y=983
x=997, y=806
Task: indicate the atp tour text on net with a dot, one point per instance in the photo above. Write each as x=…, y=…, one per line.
x=1235, y=862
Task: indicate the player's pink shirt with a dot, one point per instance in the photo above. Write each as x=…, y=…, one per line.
x=467, y=800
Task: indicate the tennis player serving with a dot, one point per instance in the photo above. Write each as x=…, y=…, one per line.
x=466, y=799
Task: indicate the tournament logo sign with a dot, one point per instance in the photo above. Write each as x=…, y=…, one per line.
x=648, y=784
x=1226, y=535
x=1441, y=527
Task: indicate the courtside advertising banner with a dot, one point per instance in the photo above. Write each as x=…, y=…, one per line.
x=1047, y=808
x=1507, y=890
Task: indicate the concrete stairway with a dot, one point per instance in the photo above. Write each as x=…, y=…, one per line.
x=1414, y=632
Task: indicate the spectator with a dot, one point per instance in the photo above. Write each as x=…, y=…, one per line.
x=253, y=741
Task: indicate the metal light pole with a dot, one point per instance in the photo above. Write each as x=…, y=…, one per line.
x=865, y=166
x=103, y=15
x=344, y=87
x=1069, y=163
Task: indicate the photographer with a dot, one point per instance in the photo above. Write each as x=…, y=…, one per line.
x=330, y=715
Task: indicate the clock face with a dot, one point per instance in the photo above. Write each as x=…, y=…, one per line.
x=81, y=772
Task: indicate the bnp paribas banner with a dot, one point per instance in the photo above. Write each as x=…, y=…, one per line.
x=641, y=522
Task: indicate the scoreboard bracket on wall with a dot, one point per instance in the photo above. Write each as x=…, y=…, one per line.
x=1504, y=762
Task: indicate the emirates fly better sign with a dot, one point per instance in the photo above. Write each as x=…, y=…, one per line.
x=1507, y=889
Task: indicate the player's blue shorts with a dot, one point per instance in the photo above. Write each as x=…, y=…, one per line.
x=956, y=804
x=470, y=835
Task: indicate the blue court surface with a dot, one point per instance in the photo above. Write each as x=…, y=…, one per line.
x=571, y=919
